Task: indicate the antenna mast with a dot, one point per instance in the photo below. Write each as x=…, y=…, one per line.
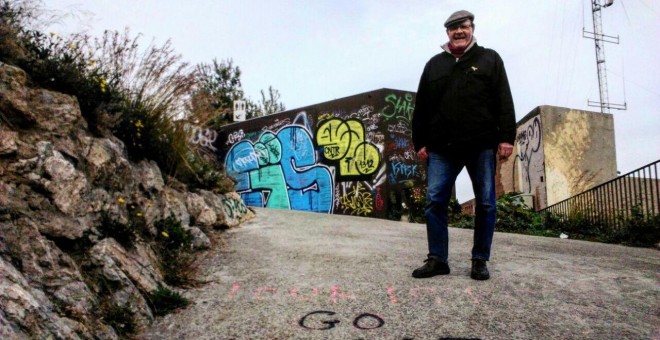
x=599, y=40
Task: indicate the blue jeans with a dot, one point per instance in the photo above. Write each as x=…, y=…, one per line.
x=443, y=168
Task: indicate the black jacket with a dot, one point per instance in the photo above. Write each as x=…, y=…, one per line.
x=463, y=105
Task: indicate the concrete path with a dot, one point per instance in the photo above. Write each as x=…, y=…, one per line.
x=296, y=275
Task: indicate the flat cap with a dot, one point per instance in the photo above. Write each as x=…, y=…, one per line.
x=459, y=16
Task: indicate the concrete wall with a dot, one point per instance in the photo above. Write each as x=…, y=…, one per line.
x=559, y=152
x=346, y=156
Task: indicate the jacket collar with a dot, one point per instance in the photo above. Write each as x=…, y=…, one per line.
x=473, y=43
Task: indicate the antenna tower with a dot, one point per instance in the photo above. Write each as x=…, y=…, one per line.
x=599, y=40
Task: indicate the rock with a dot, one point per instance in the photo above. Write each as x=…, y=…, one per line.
x=8, y=142
x=130, y=297
x=132, y=276
x=54, y=111
x=97, y=199
x=201, y=212
x=216, y=210
x=7, y=196
x=59, y=184
x=76, y=296
x=173, y=203
x=28, y=309
x=199, y=239
x=229, y=208
x=107, y=166
x=116, y=264
x=14, y=96
x=65, y=183
x=148, y=177
x=8, y=330
x=58, y=226
x=235, y=211
x=46, y=266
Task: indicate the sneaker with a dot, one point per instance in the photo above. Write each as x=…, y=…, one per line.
x=479, y=270
x=431, y=267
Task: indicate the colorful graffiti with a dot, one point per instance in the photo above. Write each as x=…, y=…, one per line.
x=356, y=200
x=344, y=156
x=344, y=141
x=399, y=107
x=280, y=170
x=400, y=172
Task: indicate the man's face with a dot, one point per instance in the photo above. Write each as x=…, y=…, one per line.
x=460, y=34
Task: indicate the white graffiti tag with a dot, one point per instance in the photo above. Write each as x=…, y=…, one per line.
x=203, y=137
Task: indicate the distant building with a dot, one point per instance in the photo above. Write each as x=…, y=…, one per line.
x=559, y=152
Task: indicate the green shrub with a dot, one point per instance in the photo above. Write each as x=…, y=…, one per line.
x=164, y=301
x=455, y=212
x=121, y=318
x=128, y=233
x=171, y=234
x=394, y=206
x=577, y=225
x=122, y=233
x=637, y=230
x=513, y=216
x=174, y=245
x=463, y=221
x=416, y=203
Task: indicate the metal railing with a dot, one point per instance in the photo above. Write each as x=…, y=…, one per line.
x=612, y=203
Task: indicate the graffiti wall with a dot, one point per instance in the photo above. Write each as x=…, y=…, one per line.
x=559, y=153
x=347, y=156
x=528, y=159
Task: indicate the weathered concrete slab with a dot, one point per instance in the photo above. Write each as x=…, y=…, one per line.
x=289, y=274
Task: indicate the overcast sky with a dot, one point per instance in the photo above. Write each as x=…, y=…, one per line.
x=315, y=51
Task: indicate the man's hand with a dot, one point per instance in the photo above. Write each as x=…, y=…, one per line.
x=504, y=150
x=422, y=154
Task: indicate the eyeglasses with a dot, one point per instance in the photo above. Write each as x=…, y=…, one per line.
x=455, y=28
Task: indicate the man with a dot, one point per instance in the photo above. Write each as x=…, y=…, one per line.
x=463, y=117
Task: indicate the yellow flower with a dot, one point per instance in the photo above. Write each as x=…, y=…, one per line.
x=138, y=214
x=121, y=200
x=138, y=124
x=165, y=234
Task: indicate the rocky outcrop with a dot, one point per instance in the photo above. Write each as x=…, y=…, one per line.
x=62, y=190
